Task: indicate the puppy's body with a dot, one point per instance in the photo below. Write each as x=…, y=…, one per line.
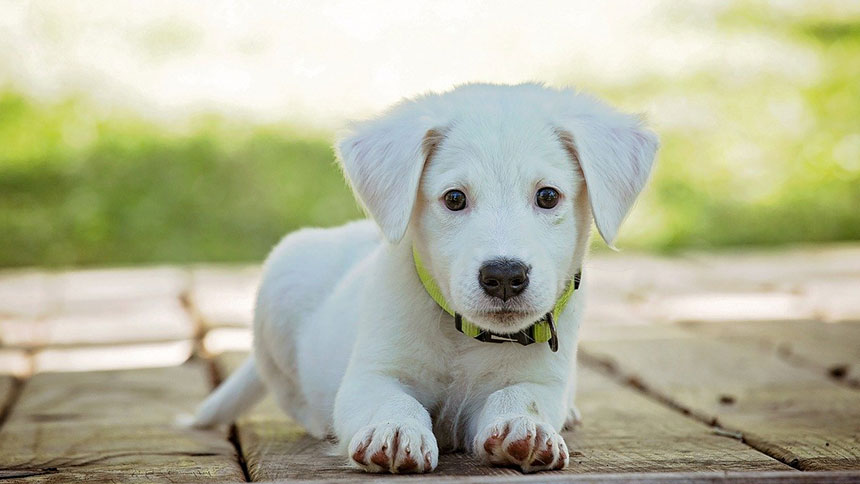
x=302, y=339
x=347, y=336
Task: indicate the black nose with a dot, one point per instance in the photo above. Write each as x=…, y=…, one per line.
x=504, y=278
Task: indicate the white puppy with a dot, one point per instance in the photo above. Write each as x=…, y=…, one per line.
x=484, y=196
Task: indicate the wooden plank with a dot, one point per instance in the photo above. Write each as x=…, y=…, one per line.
x=114, y=357
x=15, y=361
x=835, y=298
x=93, y=307
x=831, y=348
x=8, y=388
x=115, y=426
x=791, y=413
x=224, y=296
x=25, y=293
x=623, y=432
x=768, y=268
x=102, y=322
x=6, y=384
x=780, y=477
x=80, y=289
x=32, y=294
x=634, y=288
x=223, y=340
x=637, y=289
x=275, y=447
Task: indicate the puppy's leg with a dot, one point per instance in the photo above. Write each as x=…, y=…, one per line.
x=514, y=430
x=388, y=430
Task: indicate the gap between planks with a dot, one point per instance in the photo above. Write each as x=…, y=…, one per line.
x=113, y=426
x=200, y=329
x=799, y=425
x=233, y=437
x=10, y=391
x=610, y=369
x=710, y=477
x=624, y=432
x=832, y=349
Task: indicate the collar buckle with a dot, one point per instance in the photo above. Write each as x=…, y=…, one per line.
x=542, y=330
x=524, y=337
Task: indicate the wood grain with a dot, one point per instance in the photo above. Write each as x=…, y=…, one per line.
x=275, y=447
x=780, y=477
x=8, y=388
x=623, y=432
x=831, y=348
x=115, y=426
x=792, y=413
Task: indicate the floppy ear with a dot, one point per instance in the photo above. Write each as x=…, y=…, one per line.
x=383, y=160
x=615, y=152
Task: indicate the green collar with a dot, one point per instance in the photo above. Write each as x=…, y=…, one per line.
x=542, y=331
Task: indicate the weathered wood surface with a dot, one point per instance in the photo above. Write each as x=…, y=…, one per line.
x=93, y=307
x=15, y=361
x=636, y=288
x=224, y=296
x=774, y=477
x=40, y=293
x=115, y=426
x=7, y=393
x=831, y=348
x=786, y=383
x=74, y=321
x=790, y=284
x=106, y=322
x=275, y=447
x=623, y=432
x=789, y=412
x=118, y=356
x=24, y=293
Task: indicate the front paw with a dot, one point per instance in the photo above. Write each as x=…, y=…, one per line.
x=392, y=447
x=522, y=442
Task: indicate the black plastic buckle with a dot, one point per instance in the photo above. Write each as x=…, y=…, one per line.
x=524, y=337
x=553, y=339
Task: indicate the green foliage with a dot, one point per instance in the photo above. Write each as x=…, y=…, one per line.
x=770, y=157
x=79, y=191
x=761, y=157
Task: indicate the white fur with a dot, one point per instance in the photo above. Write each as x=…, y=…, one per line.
x=347, y=337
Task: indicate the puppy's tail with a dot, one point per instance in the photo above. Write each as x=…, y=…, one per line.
x=237, y=394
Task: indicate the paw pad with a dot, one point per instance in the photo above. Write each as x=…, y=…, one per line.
x=391, y=447
x=523, y=442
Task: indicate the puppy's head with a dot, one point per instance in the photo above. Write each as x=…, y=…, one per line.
x=496, y=186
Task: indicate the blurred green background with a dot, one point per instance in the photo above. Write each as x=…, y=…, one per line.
x=761, y=157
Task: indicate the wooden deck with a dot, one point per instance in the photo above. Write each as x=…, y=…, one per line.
x=737, y=367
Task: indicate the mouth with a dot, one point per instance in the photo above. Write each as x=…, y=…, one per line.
x=508, y=318
x=505, y=313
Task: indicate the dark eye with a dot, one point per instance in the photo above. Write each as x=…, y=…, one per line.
x=547, y=197
x=455, y=200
